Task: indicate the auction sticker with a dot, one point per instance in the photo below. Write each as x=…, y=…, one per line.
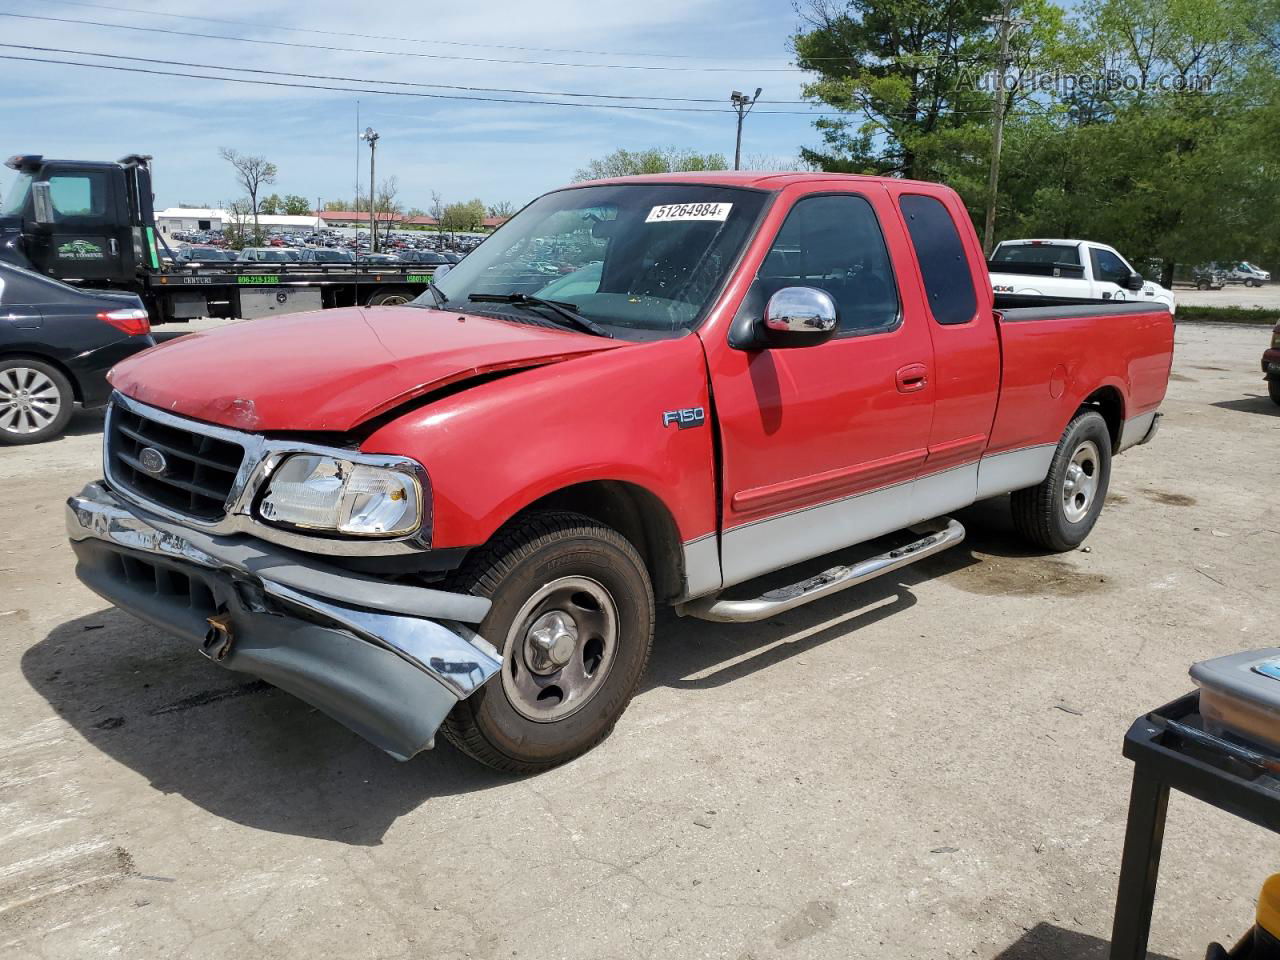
x=689, y=211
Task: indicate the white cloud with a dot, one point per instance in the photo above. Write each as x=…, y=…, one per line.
x=461, y=148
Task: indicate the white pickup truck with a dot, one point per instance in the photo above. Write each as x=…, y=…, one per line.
x=1069, y=271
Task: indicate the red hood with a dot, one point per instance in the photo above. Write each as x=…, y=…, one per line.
x=332, y=370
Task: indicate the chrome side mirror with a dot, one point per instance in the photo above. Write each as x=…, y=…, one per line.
x=800, y=317
x=42, y=202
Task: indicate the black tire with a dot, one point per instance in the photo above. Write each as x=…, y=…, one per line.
x=1273, y=388
x=1202, y=285
x=1044, y=514
x=22, y=417
x=530, y=555
x=389, y=297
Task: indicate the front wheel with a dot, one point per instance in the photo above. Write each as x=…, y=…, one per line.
x=1060, y=512
x=36, y=401
x=1273, y=388
x=573, y=616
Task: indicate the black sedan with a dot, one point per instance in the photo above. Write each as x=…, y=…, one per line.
x=57, y=343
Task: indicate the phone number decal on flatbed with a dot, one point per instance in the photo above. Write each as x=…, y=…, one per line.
x=257, y=280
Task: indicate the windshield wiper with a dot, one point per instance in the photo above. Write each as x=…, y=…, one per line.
x=568, y=312
x=437, y=296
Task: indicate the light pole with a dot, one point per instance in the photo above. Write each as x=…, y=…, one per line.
x=742, y=104
x=372, y=136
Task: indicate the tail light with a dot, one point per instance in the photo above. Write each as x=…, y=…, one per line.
x=131, y=321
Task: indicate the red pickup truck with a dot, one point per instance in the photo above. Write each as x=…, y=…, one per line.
x=461, y=513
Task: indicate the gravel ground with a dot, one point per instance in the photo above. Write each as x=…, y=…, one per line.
x=925, y=767
x=1232, y=295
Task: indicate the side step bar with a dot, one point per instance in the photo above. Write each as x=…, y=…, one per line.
x=940, y=534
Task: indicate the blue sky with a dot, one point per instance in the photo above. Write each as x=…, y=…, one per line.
x=460, y=149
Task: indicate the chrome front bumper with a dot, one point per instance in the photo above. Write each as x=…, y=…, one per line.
x=387, y=660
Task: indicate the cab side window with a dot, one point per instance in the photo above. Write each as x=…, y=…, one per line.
x=78, y=195
x=834, y=243
x=1109, y=268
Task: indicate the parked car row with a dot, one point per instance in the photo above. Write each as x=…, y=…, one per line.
x=198, y=254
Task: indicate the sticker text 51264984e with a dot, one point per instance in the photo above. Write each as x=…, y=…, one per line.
x=689, y=211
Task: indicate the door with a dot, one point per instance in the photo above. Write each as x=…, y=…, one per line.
x=89, y=235
x=821, y=444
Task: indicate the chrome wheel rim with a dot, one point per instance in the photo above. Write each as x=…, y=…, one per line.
x=29, y=400
x=395, y=300
x=560, y=649
x=1080, y=486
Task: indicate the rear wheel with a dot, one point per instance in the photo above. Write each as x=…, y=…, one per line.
x=390, y=298
x=573, y=615
x=36, y=401
x=1060, y=512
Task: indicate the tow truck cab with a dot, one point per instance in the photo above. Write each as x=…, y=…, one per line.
x=79, y=221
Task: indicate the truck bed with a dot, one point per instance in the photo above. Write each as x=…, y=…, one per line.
x=1052, y=363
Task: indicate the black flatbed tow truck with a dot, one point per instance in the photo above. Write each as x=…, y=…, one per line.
x=92, y=224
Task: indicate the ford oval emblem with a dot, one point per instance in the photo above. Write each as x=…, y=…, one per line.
x=152, y=461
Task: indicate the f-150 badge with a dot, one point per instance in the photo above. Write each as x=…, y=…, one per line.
x=686, y=418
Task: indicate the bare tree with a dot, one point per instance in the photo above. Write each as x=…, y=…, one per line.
x=503, y=208
x=779, y=164
x=437, y=211
x=254, y=173
x=387, y=205
x=236, y=229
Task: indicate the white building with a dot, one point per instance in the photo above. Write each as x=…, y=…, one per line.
x=190, y=219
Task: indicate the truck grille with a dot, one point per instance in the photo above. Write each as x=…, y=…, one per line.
x=197, y=473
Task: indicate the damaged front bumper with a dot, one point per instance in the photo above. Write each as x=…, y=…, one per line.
x=387, y=660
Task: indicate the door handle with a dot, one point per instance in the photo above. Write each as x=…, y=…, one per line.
x=912, y=378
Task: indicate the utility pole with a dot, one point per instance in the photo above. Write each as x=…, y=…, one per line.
x=742, y=104
x=1007, y=24
x=372, y=136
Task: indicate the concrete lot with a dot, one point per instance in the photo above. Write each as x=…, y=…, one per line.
x=925, y=767
x=1232, y=295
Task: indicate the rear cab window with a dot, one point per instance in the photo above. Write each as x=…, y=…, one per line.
x=948, y=282
x=1057, y=254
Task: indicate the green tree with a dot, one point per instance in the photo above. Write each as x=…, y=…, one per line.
x=626, y=163
x=463, y=217
x=295, y=205
x=1176, y=163
x=271, y=205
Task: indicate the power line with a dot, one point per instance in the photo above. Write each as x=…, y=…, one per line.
x=396, y=53
x=392, y=93
x=436, y=96
x=390, y=83
x=375, y=36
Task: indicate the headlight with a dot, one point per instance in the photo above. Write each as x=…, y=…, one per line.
x=328, y=493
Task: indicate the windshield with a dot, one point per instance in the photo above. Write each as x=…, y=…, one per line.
x=1058, y=253
x=16, y=198
x=639, y=259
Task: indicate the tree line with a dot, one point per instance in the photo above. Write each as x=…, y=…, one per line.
x=1151, y=125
